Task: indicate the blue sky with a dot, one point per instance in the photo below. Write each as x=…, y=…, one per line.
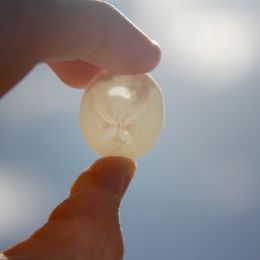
x=196, y=194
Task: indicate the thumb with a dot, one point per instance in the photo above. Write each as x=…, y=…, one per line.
x=101, y=186
x=86, y=225
x=109, y=173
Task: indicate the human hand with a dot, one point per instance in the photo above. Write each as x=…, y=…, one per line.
x=86, y=225
x=77, y=39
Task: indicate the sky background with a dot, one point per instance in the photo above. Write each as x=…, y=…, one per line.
x=196, y=194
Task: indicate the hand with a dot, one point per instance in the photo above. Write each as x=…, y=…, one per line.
x=77, y=39
x=85, y=226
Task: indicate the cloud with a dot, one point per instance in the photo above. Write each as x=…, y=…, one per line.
x=215, y=44
x=23, y=200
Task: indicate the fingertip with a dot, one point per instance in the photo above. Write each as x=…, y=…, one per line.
x=114, y=173
x=156, y=54
x=115, y=163
x=111, y=173
x=147, y=60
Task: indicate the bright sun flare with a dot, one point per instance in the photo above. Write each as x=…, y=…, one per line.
x=215, y=42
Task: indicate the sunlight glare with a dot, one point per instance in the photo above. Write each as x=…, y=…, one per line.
x=217, y=43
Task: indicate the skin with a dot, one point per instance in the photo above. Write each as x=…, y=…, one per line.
x=77, y=39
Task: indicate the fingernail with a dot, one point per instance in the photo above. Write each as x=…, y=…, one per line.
x=155, y=54
x=114, y=173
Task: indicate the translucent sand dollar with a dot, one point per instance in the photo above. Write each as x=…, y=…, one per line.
x=121, y=115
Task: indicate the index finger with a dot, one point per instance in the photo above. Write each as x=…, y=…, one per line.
x=58, y=30
x=99, y=34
